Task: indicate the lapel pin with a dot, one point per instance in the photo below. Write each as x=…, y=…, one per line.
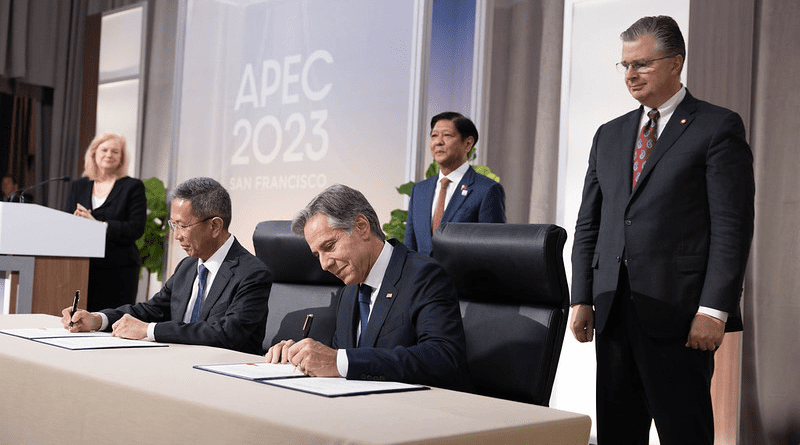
x=683, y=121
x=389, y=295
x=464, y=190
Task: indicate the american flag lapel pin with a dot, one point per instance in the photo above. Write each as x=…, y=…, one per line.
x=683, y=121
x=389, y=295
x=464, y=190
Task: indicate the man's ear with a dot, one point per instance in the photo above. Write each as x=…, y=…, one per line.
x=361, y=226
x=678, y=64
x=216, y=226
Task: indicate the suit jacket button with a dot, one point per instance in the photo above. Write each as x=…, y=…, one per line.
x=628, y=222
x=618, y=259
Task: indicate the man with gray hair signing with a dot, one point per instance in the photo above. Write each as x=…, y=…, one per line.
x=216, y=297
x=397, y=317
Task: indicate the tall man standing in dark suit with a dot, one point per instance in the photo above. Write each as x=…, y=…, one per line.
x=397, y=318
x=458, y=193
x=217, y=295
x=661, y=245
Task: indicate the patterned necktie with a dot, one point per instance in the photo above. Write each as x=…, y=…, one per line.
x=437, y=214
x=364, y=297
x=645, y=144
x=202, y=273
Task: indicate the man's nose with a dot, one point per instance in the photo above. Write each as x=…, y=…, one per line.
x=325, y=262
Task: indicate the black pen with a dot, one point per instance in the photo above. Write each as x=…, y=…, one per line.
x=307, y=325
x=74, y=306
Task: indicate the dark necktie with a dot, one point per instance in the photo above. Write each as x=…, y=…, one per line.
x=437, y=214
x=364, y=297
x=644, y=144
x=202, y=273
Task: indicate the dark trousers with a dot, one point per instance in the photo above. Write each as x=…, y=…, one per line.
x=640, y=378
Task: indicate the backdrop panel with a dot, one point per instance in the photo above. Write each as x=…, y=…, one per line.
x=282, y=98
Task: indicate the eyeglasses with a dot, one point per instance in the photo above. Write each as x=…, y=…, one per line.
x=641, y=66
x=175, y=226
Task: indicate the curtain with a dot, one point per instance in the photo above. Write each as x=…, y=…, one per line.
x=523, y=114
x=770, y=403
x=21, y=146
x=44, y=47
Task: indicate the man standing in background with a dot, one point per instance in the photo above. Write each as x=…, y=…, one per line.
x=661, y=245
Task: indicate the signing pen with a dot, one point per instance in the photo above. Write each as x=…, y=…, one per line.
x=74, y=306
x=307, y=325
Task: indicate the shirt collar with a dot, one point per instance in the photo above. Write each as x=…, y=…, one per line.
x=455, y=175
x=214, y=262
x=670, y=105
x=375, y=277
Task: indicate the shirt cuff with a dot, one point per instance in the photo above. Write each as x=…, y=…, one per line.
x=722, y=315
x=151, y=331
x=104, y=323
x=342, y=364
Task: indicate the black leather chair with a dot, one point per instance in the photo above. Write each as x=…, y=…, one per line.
x=514, y=300
x=299, y=287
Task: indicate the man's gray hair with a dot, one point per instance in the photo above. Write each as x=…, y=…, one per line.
x=208, y=197
x=341, y=204
x=665, y=31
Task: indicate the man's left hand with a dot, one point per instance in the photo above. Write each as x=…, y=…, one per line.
x=129, y=327
x=707, y=333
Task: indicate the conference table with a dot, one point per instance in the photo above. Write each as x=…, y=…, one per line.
x=154, y=395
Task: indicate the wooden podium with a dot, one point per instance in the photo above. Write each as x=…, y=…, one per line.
x=46, y=254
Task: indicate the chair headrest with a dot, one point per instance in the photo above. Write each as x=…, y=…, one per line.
x=287, y=255
x=504, y=262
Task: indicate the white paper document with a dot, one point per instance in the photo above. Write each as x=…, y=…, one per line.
x=33, y=333
x=80, y=343
x=339, y=386
x=254, y=371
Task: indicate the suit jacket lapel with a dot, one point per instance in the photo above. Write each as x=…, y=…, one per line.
x=386, y=295
x=350, y=315
x=678, y=123
x=184, y=289
x=224, y=275
x=427, y=189
x=112, y=195
x=629, y=133
x=458, y=197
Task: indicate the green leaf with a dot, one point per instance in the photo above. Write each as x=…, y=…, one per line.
x=396, y=227
x=433, y=169
x=405, y=189
x=485, y=171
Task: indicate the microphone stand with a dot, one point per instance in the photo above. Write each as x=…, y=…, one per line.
x=20, y=193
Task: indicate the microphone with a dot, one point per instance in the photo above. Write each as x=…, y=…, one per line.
x=20, y=193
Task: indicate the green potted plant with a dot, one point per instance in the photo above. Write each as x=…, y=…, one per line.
x=151, y=244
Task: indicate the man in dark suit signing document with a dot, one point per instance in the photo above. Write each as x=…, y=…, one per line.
x=397, y=318
x=661, y=245
x=217, y=295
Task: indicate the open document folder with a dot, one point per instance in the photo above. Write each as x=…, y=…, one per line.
x=78, y=340
x=286, y=376
x=36, y=333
